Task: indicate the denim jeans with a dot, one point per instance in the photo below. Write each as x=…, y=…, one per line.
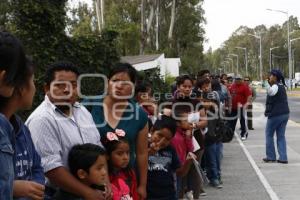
x=212, y=161
x=6, y=163
x=235, y=114
x=219, y=149
x=276, y=124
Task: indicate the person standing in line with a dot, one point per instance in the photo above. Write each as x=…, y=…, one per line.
x=29, y=175
x=12, y=69
x=59, y=123
x=277, y=111
x=117, y=110
x=247, y=80
x=241, y=96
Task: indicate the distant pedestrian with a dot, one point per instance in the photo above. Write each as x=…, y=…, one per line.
x=277, y=111
x=247, y=81
x=241, y=96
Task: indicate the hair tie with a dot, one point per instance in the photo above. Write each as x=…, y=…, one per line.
x=111, y=136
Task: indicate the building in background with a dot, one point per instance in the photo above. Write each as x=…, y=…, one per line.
x=167, y=66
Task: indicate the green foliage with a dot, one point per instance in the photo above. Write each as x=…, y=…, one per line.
x=271, y=37
x=159, y=86
x=41, y=26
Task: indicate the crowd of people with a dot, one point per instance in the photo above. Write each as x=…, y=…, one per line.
x=126, y=145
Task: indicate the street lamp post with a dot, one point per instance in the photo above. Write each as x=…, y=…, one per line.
x=260, y=55
x=271, y=64
x=288, y=43
x=231, y=63
x=291, y=42
x=237, y=62
x=246, y=58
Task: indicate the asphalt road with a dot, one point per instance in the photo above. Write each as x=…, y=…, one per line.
x=294, y=105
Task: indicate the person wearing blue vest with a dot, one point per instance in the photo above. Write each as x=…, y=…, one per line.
x=277, y=111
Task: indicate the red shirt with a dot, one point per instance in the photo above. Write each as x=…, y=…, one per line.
x=239, y=94
x=124, y=185
x=182, y=144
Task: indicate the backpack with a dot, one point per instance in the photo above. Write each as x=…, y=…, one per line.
x=219, y=130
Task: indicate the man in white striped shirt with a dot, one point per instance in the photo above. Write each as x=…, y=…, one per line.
x=58, y=124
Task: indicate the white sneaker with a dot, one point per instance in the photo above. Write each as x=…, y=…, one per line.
x=244, y=138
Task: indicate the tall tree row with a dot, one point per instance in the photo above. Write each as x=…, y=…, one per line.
x=274, y=36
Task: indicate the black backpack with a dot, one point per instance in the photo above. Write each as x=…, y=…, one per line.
x=219, y=130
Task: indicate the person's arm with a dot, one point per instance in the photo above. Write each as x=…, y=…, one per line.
x=272, y=90
x=28, y=189
x=184, y=169
x=142, y=160
x=203, y=119
x=48, y=146
x=62, y=178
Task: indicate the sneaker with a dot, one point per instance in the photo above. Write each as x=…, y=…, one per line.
x=220, y=181
x=216, y=184
x=251, y=129
x=266, y=160
x=202, y=194
x=283, y=161
x=244, y=138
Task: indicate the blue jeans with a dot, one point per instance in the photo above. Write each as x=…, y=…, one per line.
x=212, y=156
x=219, y=149
x=278, y=124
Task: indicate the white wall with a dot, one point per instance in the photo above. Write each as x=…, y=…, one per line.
x=172, y=66
x=168, y=66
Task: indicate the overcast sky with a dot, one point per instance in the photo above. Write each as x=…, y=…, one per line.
x=225, y=16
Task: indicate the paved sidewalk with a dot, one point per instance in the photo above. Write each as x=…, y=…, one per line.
x=240, y=179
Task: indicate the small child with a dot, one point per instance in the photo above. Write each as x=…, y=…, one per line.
x=163, y=161
x=182, y=141
x=122, y=177
x=88, y=163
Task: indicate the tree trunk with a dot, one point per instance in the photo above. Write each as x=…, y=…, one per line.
x=157, y=25
x=150, y=20
x=99, y=4
x=143, y=38
x=172, y=22
x=102, y=13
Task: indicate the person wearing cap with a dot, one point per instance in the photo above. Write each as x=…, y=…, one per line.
x=277, y=111
x=241, y=98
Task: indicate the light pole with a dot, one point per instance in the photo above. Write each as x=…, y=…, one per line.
x=246, y=58
x=231, y=63
x=288, y=41
x=260, y=55
x=271, y=64
x=226, y=70
x=237, y=62
x=291, y=42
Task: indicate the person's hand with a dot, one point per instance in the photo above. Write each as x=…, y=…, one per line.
x=188, y=133
x=191, y=156
x=141, y=190
x=92, y=194
x=29, y=189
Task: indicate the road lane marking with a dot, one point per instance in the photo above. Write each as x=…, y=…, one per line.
x=260, y=175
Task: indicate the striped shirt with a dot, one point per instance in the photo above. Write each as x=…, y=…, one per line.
x=54, y=134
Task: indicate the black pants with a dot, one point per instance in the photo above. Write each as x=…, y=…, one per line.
x=249, y=117
x=238, y=114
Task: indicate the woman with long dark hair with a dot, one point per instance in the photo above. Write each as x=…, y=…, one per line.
x=277, y=112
